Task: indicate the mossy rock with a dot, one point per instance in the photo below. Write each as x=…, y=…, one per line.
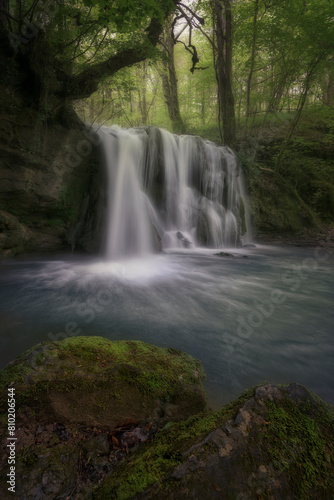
x=272, y=442
x=14, y=237
x=94, y=381
x=72, y=394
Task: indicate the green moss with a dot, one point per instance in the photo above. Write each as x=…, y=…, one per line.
x=95, y=372
x=297, y=445
x=301, y=194
x=155, y=368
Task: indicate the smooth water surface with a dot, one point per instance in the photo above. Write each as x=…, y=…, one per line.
x=265, y=317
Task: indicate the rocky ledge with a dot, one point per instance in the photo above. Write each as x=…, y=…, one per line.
x=97, y=419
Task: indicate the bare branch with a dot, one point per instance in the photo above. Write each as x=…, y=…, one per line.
x=199, y=19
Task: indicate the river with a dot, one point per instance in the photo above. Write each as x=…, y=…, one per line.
x=255, y=315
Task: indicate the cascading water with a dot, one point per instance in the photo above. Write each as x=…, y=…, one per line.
x=169, y=191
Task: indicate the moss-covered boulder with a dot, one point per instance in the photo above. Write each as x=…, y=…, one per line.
x=94, y=381
x=272, y=442
x=100, y=420
x=83, y=402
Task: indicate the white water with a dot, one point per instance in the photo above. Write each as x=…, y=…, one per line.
x=168, y=191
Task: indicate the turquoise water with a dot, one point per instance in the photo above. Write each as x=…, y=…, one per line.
x=265, y=314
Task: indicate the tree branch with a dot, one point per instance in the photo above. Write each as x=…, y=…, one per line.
x=85, y=83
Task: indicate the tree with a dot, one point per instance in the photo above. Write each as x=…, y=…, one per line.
x=282, y=48
x=222, y=11
x=61, y=51
x=252, y=61
x=169, y=80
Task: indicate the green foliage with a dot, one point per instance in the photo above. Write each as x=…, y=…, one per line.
x=127, y=14
x=302, y=195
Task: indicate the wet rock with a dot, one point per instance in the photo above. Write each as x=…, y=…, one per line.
x=61, y=431
x=45, y=473
x=42, y=187
x=98, y=445
x=109, y=382
x=226, y=254
x=185, y=242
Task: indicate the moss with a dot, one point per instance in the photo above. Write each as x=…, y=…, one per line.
x=303, y=192
x=153, y=462
x=296, y=443
x=94, y=372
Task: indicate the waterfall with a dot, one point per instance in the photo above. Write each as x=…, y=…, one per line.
x=168, y=191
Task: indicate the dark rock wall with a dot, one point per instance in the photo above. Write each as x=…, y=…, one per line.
x=49, y=186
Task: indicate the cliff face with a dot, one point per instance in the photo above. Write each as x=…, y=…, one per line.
x=46, y=189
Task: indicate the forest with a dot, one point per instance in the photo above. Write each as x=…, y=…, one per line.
x=255, y=75
x=166, y=249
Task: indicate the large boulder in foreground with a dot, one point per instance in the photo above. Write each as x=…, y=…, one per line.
x=100, y=420
x=84, y=402
x=271, y=443
x=93, y=381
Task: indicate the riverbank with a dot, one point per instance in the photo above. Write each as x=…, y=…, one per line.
x=306, y=238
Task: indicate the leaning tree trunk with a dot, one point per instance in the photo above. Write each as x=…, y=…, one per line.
x=226, y=112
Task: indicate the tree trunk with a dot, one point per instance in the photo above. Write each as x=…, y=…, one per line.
x=302, y=100
x=328, y=87
x=169, y=83
x=251, y=70
x=226, y=111
x=142, y=77
x=46, y=82
x=203, y=107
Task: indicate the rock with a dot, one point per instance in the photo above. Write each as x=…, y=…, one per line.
x=156, y=239
x=86, y=405
x=44, y=184
x=249, y=245
x=14, y=237
x=45, y=473
x=226, y=254
x=109, y=381
x=84, y=402
x=203, y=231
x=273, y=442
x=185, y=242
x=97, y=445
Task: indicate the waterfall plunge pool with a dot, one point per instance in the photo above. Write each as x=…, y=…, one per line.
x=264, y=317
